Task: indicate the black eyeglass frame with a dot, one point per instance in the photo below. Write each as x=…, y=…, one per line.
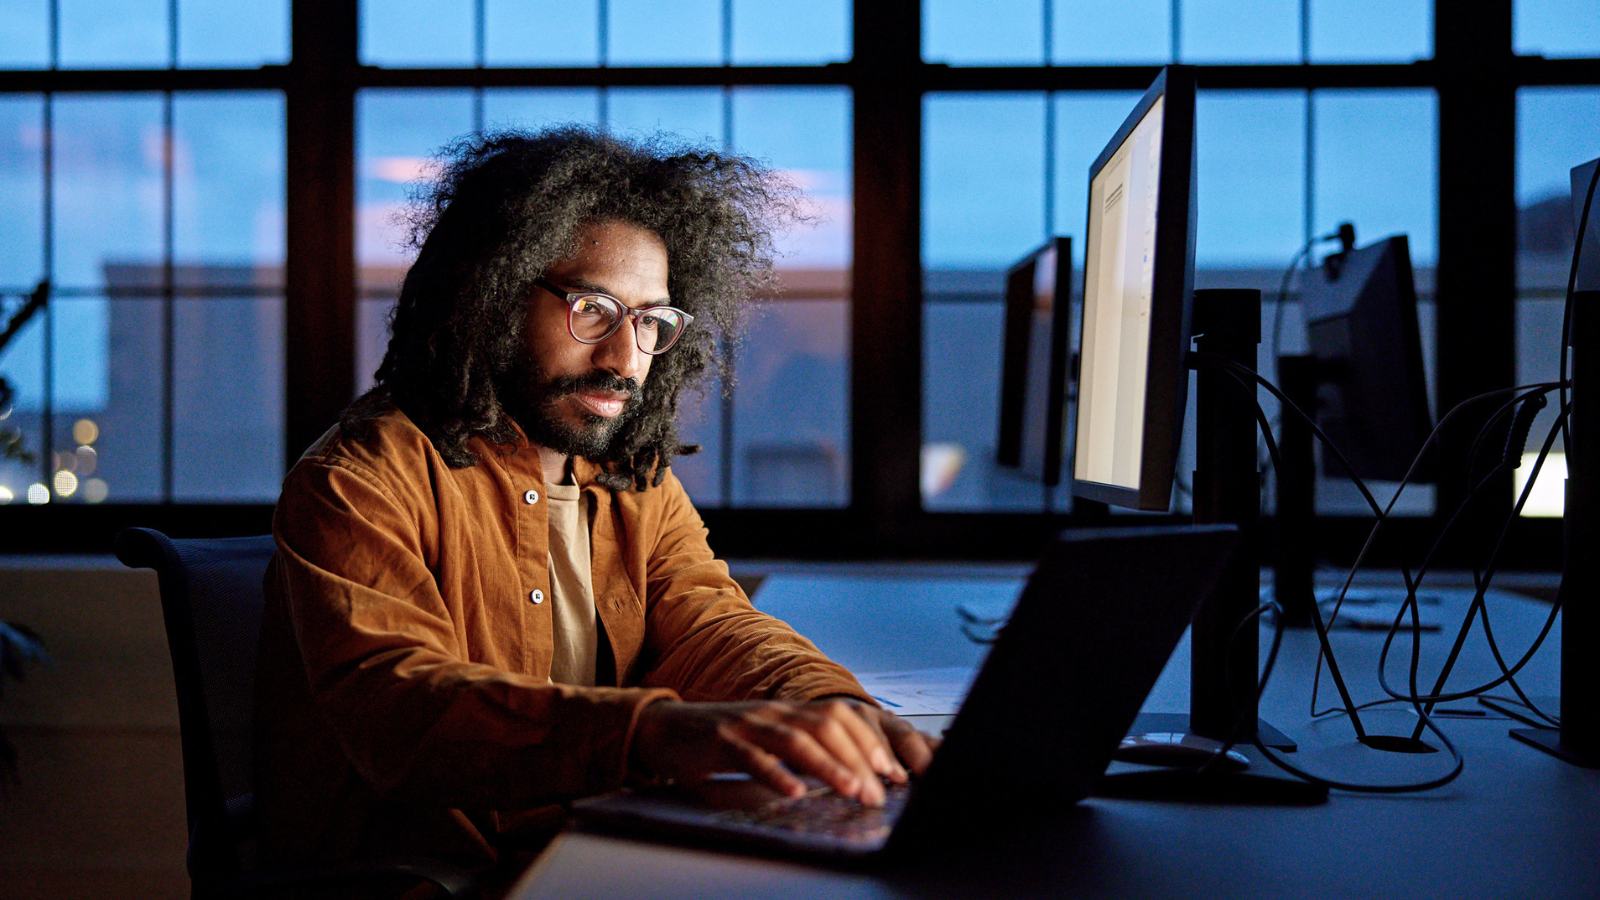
x=571, y=298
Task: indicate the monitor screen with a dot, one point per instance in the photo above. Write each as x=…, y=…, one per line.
x=1033, y=374
x=1137, y=301
x=1372, y=392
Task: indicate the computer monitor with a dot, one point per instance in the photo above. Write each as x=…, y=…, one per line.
x=1033, y=374
x=1372, y=392
x=1588, y=261
x=1138, y=302
x=1139, y=312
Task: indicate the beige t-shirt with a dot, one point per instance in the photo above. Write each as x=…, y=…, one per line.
x=571, y=588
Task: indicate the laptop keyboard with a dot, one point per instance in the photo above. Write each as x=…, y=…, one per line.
x=825, y=812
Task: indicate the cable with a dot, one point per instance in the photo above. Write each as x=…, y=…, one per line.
x=1433, y=438
x=1482, y=583
x=1458, y=761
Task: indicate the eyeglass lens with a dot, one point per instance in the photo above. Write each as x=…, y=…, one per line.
x=595, y=318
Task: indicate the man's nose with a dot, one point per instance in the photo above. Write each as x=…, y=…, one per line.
x=619, y=354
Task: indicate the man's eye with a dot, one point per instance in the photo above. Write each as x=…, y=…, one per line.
x=650, y=322
x=588, y=306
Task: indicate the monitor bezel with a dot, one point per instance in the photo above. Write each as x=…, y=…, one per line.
x=1172, y=296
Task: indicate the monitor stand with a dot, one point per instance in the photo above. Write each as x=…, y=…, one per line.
x=1227, y=488
x=1578, y=739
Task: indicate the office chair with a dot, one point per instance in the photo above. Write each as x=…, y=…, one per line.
x=211, y=602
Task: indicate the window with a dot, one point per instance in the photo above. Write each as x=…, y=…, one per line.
x=144, y=149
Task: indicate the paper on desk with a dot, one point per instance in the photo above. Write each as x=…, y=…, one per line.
x=920, y=692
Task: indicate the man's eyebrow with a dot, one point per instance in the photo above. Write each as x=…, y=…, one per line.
x=583, y=285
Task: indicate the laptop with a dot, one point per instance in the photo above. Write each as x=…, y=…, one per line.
x=1060, y=687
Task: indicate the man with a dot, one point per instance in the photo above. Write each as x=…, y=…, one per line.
x=491, y=595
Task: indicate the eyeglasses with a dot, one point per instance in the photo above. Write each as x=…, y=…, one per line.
x=593, y=317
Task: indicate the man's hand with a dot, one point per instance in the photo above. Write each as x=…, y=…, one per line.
x=845, y=743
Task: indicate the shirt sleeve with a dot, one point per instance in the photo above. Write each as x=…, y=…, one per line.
x=704, y=637
x=385, y=657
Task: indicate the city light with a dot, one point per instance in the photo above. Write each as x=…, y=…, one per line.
x=66, y=483
x=38, y=493
x=6, y=496
x=85, y=462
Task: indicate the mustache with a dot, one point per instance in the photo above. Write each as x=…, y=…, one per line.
x=595, y=381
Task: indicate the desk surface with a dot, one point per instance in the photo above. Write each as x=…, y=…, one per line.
x=1515, y=823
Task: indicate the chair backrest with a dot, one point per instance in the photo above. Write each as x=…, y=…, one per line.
x=211, y=601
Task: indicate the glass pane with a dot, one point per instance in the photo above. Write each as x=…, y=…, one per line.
x=1557, y=129
x=25, y=35
x=1377, y=166
x=985, y=205
x=78, y=389
x=114, y=33
x=961, y=379
x=983, y=200
x=805, y=133
x=702, y=422
x=228, y=193
x=1224, y=31
x=1555, y=27
x=227, y=442
x=651, y=33
x=219, y=33
x=398, y=134
x=790, y=32
x=983, y=32
x=541, y=32
x=372, y=330
x=1250, y=151
x=1386, y=31
x=791, y=408
x=418, y=33
x=22, y=419
x=22, y=183
x=694, y=114
x=131, y=455
x=540, y=107
x=1093, y=32
x=109, y=185
x=791, y=423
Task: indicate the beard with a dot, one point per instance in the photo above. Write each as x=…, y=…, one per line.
x=534, y=402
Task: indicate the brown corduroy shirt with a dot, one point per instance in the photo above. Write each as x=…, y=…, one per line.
x=403, y=699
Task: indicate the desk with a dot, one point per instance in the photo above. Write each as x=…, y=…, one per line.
x=1516, y=823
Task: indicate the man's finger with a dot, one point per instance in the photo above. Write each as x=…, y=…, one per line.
x=863, y=722
x=801, y=750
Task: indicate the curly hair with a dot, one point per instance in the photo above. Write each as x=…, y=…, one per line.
x=505, y=208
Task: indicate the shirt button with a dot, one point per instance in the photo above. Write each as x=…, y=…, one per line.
x=537, y=596
x=531, y=496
